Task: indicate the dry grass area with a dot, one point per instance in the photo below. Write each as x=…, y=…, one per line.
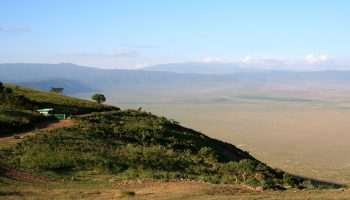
x=298, y=138
x=162, y=190
x=302, y=129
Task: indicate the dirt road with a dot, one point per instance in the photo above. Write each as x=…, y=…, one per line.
x=41, y=125
x=21, y=175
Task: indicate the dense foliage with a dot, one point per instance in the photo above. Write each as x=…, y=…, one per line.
x=133, y=144
x=99, y=98
x=57, y=90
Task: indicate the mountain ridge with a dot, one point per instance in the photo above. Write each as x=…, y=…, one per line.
x=88, y=79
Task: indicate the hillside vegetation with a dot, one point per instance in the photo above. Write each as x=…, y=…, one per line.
x=135, y=144
x=127, y=144
x=18, y=106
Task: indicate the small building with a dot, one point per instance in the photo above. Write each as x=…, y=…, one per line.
x=48, y=112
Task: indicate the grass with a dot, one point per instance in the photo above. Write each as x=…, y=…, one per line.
x=136, y=144
x=14, y=119
x=61, y=103
x=18, y=109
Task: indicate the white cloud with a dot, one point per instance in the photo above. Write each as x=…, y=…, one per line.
x=213, y=60
x=141, y=65
x=15, y=30
x=246, y=60
x=116, y=53
x=318, y=59
x=262, y=62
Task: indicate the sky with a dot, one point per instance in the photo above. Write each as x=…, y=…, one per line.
x=132, y=34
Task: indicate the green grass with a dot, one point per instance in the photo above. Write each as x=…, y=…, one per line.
x=61, y=103
x=18, y=109
x=15, y=119
x=135, y=144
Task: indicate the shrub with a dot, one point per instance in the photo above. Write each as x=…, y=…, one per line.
x=16, y=136
x=252, y=181
x=289, y=180
x=7, y=90
x=206, y=151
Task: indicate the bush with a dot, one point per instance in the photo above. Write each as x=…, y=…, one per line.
x=289, y=180
x=7, y=90
x=206, y=151
x=16, y=136
x=252, y=181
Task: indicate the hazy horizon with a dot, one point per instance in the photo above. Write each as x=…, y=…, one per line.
x=131, y=35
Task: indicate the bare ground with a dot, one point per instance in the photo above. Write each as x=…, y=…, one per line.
x=162, y=190
x=18, y=174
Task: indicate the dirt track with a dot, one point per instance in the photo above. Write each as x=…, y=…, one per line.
x=21, y=175
x=41, y=125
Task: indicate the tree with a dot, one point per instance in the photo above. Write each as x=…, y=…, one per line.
x=4, y=89
x=1, y=86
x=99, y=98
x=7, y=90
x=56, y=89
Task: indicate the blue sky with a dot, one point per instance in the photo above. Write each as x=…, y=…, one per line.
x=138, y=33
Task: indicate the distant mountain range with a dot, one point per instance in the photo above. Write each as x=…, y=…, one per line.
x=79, y=79
x=200, y=68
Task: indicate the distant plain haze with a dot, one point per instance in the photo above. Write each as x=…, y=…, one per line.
x=291, y=34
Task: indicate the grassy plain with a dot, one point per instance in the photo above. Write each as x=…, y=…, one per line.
x=300, y=128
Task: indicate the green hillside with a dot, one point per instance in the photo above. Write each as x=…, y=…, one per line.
x=129, y=144
x=136, y=144
x=18, y=107
x=61, y=103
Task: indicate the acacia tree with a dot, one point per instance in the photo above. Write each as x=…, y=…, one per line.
x=56, y=90
x=99, y=98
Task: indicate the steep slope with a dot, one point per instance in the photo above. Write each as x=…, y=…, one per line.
x=131, y=144
x=136, y=144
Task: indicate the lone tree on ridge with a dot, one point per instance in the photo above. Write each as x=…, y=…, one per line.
x=99, y=98
x=56, y=90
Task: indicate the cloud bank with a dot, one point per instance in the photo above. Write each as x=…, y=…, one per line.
x=214, y=60
x=318, y=59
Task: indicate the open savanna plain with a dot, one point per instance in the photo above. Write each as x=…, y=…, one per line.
x=300, y=128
